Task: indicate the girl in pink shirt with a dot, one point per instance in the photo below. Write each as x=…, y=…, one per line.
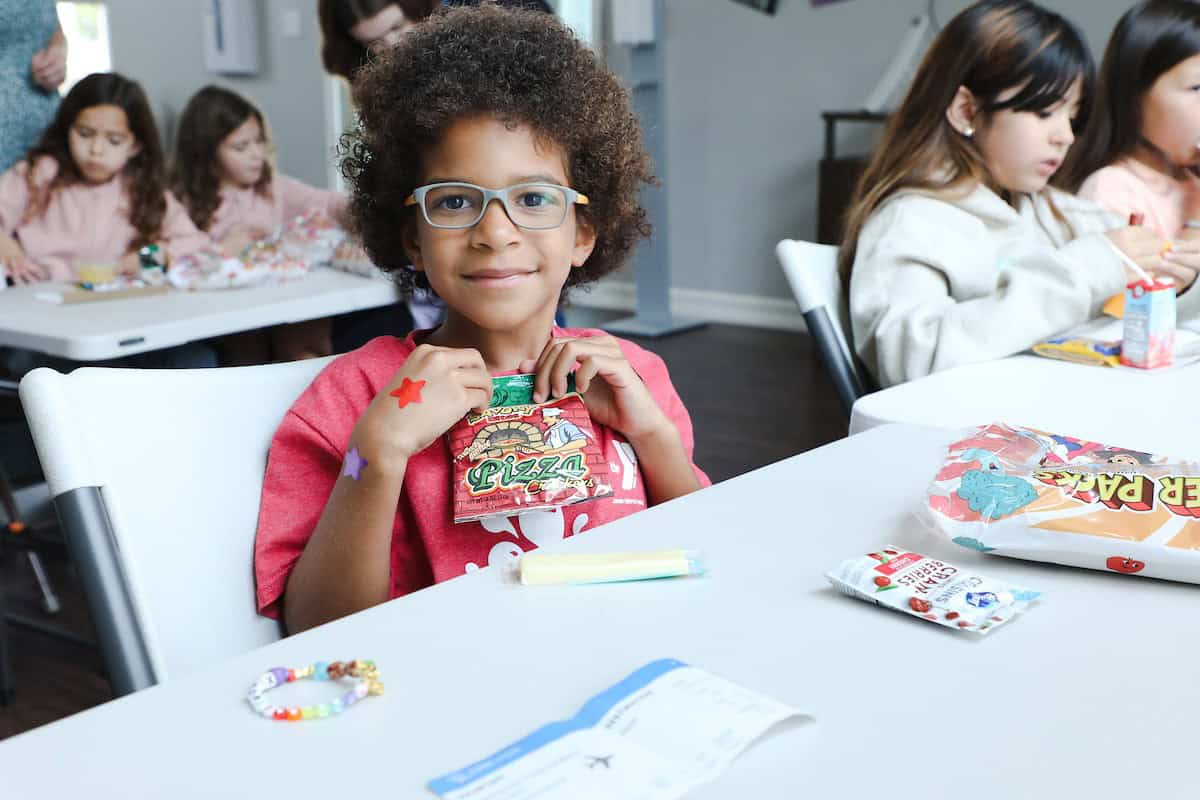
x=1141, y=151
x=92, y=189
x=223, y=175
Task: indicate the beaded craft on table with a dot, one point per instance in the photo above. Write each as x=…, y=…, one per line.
x=367, y=684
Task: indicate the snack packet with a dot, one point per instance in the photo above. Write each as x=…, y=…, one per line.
x=1025, y=493
x=931, y=589
x=523, y=456
x=350, y=257
x=1080, y=350
x=305, y=241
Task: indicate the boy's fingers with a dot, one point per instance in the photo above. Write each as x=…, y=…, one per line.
x=583, y=376
x=541, y=370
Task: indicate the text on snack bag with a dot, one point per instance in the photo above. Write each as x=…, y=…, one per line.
x=1135, y=492
x=927, y=576
x=1179, y=493
x=533, y=473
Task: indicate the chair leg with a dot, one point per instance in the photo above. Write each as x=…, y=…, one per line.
x=8, y=686
x=837, y=362
x=12, y=525
x=50, y=602
x=9, y=503
x=16, y=526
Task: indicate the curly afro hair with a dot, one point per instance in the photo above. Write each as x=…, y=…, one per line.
x=524, y=67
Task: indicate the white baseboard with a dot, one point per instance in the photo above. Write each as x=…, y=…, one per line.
x=751, y=311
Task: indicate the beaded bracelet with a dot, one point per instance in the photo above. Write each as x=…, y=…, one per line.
x=365, y=671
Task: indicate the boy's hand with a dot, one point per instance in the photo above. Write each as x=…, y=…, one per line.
x=614, y=393
x=434, y=389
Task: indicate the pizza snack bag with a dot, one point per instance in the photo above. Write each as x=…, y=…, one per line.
x=522, y=456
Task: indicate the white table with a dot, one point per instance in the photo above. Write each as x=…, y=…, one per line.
x=115, y=328
x=1091, y=694
x=1153, y=411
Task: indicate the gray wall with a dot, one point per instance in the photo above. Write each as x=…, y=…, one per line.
x=160, y=44
x=744, y=97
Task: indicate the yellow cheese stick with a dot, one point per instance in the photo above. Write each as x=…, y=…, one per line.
x=541, y=569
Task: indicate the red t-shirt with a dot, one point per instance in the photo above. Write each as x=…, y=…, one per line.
x=427, y=547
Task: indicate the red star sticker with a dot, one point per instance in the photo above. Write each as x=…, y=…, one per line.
x=409, y=392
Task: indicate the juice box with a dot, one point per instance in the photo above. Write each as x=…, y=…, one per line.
x=1149, y=340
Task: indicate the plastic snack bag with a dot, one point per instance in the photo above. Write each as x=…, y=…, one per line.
x=1080, y=350
x=1029, y=494
x=303, y=242
x=350, y=257
x=931, y=589
x=523, y=456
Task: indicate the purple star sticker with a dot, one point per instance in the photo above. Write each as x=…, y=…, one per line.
x=353, y=464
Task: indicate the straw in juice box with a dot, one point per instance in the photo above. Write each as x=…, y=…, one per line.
x=1115, y=305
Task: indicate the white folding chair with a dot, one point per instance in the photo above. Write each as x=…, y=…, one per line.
x=811, y=271
x=156, y=476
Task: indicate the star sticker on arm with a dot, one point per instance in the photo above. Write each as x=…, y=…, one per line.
x=409, y=392
x=354, y=463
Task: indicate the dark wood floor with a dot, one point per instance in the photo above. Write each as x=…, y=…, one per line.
x=755, y=397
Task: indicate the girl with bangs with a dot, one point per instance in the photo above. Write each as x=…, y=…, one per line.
x=222, y=173
x=1141, y=152
x=956, y=249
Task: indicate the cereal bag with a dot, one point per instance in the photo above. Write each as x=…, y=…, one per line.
x=1043, y=496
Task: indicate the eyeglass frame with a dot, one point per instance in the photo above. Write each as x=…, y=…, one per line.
x=417, y=198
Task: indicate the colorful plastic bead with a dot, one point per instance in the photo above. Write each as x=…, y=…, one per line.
x=367, y=683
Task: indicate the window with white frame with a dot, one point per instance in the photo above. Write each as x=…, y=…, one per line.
x=85, y=26
x=582, y=16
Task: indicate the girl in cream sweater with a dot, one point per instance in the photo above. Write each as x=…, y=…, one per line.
x=956, y=248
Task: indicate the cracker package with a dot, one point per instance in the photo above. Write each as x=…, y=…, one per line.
x=1080, y=350
x=931, y=589
x=522, y=456
x=1042, y=496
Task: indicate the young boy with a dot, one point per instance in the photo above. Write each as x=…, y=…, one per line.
x=501, y=160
